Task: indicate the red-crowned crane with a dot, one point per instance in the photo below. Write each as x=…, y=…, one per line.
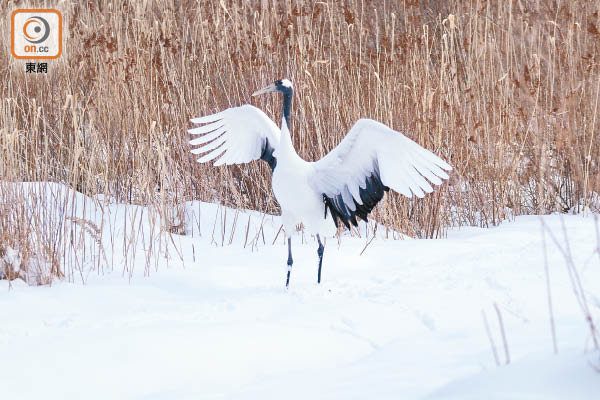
x=345, y=184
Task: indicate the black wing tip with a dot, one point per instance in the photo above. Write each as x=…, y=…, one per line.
x=370, y=196
x=338, y=215
x=267, y=155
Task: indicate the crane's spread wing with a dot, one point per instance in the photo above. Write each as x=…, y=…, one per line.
x=237, y=135
x=370, y=160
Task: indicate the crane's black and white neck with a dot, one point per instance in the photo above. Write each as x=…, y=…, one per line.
x=348, y=182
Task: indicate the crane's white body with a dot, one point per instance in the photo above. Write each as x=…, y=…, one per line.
x=300, y=202
x=370, y=153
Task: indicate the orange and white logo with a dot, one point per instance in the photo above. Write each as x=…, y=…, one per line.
x=36, y=34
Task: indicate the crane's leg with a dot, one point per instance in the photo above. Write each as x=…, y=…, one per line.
x=320, y=252
x=289, y=262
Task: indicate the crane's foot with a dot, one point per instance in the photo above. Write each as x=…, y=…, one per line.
x=290, y=261
x=287, y=281
x=320, y=252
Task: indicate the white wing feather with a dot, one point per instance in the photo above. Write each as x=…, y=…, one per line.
x=236, y=135
x=402, y=164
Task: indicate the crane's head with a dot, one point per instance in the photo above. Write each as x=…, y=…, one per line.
x=283, y=86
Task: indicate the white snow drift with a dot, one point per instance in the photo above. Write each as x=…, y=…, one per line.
x=211, y=318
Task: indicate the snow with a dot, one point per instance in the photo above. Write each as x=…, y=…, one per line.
x=537, y=377
x=214, y=321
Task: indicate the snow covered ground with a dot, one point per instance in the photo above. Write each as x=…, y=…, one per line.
x=402, y=321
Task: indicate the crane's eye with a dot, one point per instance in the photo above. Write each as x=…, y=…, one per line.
x=278, y=82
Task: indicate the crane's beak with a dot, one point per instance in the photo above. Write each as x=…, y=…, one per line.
x=268, y=89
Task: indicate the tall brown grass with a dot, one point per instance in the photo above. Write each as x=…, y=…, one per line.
x=507, y=92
